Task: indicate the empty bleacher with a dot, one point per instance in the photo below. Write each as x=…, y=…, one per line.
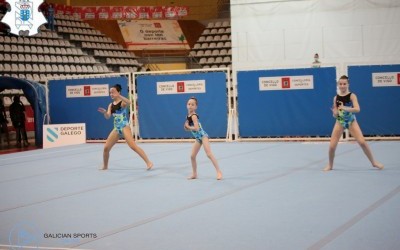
x=213, y=48
x=77, y=48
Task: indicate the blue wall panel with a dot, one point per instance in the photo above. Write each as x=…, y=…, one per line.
x=380, y=113
x=304, y=112
x=83, y=109
x=163, y=116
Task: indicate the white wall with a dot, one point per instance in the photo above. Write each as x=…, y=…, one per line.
x=274, y=34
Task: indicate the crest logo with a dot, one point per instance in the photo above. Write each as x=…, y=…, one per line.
x=24, y=16
x=52, y=134
x=24, y=234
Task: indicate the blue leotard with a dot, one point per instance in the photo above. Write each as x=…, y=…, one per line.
x=345, y=118
x=199, y=134
x=120, y=120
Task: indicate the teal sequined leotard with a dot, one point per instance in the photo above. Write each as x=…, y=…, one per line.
x=199, y=134
x=345, y=118
x=120, y=120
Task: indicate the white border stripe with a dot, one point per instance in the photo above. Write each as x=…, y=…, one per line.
x=38, y=247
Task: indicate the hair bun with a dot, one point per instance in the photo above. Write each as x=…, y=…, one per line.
x=117, y=87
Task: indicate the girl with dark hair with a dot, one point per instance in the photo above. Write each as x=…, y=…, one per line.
x=345, y=104
x=118, y=109
x=193, y=125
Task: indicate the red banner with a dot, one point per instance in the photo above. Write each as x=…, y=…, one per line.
x=182, y=11
x=89, y=12
x=117, y=12
x=171, y=12
x=122, y=12
x=157, y=12
x=131, y=12
x=144, y=13
x=68, y=10
x=77, y=12
x=59, y=9
x=30, y=120
x=103, y=13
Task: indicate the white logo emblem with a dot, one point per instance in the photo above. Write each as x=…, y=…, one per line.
x=24, y=15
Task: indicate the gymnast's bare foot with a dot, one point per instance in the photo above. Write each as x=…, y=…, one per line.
x=328, y=168
x=149, y=166
x=192, y=177
x=378, y=165
x=219, y=175
x=103, y=167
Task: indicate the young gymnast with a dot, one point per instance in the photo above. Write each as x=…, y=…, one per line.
x=118, y=109
x=193, y=124
x=345, y=104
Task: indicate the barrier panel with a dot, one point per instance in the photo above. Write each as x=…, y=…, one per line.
x=378, y=91
x=77, y=101
x=162, y=102
x=286, y=102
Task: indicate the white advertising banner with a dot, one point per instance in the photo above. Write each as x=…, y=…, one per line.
x=57, y=135
x=181, y=87
x=94, y=90
x=386, y=79
x=286, y=83
x=153, y=34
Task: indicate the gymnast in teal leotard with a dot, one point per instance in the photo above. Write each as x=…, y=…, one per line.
x=193, y=125
x=344, y=117
x=118, y=109
x=198, y=134
x=119, y=114
x=345, y=104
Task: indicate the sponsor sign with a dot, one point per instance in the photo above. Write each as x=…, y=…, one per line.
x=57, y=135
x=286, y=83
x=87, y=90
x=181, y=87
x=386, y=79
